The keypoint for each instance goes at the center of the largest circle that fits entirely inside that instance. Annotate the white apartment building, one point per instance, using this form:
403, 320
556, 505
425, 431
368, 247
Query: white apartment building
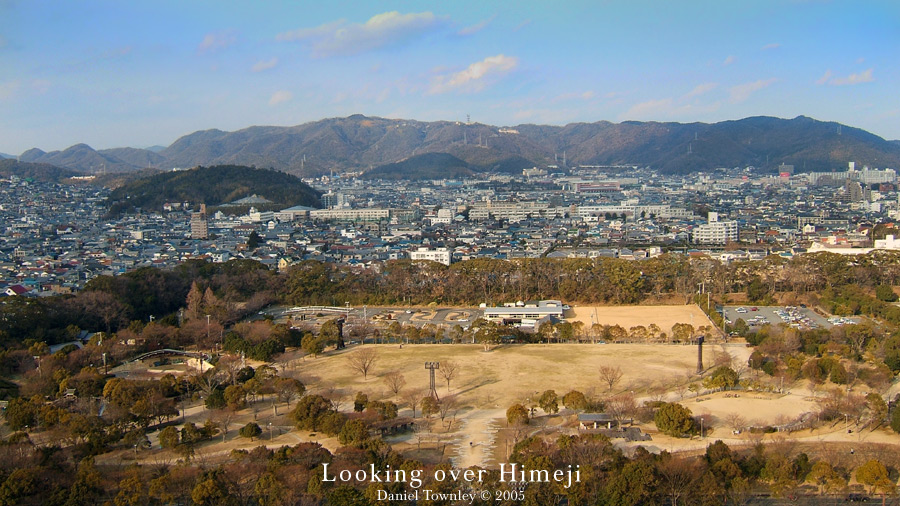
715, 231
439, 255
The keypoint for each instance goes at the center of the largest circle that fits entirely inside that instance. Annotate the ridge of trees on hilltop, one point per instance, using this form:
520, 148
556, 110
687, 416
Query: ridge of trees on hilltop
212, 186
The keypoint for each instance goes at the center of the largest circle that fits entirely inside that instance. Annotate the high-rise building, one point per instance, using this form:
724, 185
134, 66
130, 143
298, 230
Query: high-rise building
200, 224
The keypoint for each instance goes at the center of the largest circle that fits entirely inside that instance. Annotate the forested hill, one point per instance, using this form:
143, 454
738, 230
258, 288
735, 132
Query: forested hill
360, 142
36, 171
212, 186
368, 143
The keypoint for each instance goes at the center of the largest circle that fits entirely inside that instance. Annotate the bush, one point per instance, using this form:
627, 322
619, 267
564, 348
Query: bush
674, 419
251, 430
885, 293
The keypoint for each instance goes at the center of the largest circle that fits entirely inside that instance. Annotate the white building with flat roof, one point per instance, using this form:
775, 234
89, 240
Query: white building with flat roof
439, 255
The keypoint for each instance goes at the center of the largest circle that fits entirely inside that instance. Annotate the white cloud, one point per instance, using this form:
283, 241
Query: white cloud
774, 45
700, 89
742, 92
469, 30
825, 77
476, 76
214, 41
729, 60
264, 65
280, 96
342, 38
650, 109
862, 77
586, 95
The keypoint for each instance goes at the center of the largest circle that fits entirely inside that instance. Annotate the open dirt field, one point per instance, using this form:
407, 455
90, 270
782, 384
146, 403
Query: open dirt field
487, 383
630, 316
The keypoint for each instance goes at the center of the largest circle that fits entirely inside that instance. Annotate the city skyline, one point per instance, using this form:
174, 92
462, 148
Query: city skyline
140, 74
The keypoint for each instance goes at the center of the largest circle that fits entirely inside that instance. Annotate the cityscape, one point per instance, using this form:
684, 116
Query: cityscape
344, 254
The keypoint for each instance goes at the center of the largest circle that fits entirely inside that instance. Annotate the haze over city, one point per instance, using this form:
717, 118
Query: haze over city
144, 73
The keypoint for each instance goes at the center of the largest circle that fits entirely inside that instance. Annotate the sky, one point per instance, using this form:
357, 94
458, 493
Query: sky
114, 73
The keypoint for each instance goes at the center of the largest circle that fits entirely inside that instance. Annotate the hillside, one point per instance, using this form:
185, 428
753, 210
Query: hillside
368, 143
212, 186
85, 159
36, 171
426, 166
365, 143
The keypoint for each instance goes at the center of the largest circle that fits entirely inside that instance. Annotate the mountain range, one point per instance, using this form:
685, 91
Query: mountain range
373, 144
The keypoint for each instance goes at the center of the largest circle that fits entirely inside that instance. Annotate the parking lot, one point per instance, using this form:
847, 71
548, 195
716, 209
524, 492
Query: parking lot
801, 318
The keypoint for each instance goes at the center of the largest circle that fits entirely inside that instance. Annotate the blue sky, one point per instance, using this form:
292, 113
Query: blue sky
135, 73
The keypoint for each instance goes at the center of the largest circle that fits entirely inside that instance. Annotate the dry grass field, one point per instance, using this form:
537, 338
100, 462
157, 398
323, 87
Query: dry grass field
631, 316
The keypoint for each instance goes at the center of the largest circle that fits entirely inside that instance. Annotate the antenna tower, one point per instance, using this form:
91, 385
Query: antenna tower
431, 366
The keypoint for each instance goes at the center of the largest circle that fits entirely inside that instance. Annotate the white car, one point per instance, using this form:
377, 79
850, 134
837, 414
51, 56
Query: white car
741, 310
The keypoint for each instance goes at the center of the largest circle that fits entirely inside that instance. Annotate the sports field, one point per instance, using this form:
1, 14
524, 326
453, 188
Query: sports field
631, 316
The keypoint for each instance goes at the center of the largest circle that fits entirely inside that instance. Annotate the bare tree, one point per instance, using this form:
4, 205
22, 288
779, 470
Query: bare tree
447, 407
395, 381
449, 369
412, 398
362, 361
736, 421
610, 375
679, 475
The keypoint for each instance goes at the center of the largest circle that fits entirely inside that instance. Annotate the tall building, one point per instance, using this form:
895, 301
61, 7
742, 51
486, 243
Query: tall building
200, 224
715, 231
329, 200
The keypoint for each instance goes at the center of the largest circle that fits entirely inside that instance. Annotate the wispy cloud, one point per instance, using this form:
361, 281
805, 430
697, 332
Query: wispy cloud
521, 25
264, 65
215, 41
469, 30
476, 76
728, 61
343, 38
650, 108
700, 89
862, 77
280, 96
585, 95
742, 92
774, 45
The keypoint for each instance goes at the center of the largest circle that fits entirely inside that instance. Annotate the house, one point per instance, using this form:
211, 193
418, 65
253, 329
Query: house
14, 290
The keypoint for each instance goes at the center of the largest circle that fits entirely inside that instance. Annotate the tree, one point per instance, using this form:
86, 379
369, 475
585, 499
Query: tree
549, 402
412, 398
885, 293
253, 241
395, 381
610, 375
877, 409
429, 406
251, 430
168, 437
312, 345
448, 370
895, 420
723, 377
574, 400
310, 412
874, 475
362, 361
359, 403
288, 389
517, 414
674, 419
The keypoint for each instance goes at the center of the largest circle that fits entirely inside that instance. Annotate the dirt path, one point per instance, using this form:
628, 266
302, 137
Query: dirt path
479, 432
